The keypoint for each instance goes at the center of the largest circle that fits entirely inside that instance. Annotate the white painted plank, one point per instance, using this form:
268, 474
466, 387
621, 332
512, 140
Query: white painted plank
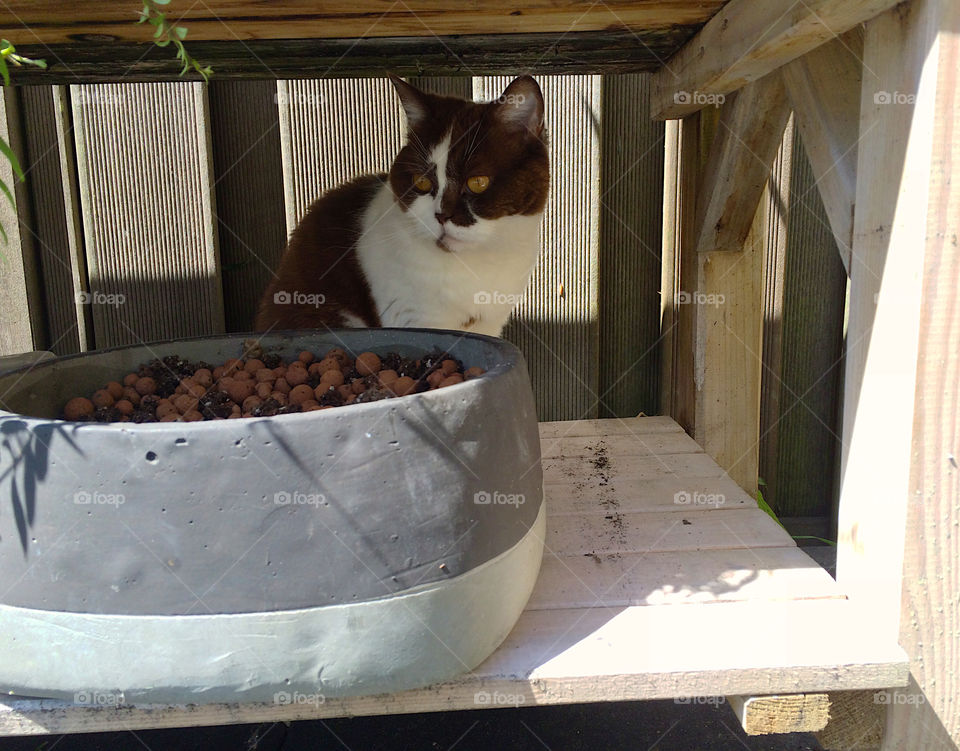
669, 493
679, 578
640, 532
624, 472
597, 447
575, 656
608, 427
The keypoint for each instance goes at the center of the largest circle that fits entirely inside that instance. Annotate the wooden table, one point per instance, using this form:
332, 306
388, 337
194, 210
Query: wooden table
660, 579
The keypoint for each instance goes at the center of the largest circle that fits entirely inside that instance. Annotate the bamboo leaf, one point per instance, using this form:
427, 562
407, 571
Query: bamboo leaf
8, 194
8, 153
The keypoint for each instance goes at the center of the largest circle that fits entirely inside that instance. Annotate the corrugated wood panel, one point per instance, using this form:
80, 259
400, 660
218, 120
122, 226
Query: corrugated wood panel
331, 131
248, 172
21, 311
558, 333
446, 85
631, 217
56, 222
144, 169
778, 202
811, 348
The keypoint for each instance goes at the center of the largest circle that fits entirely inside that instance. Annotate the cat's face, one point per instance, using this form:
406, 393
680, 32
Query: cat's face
468, 166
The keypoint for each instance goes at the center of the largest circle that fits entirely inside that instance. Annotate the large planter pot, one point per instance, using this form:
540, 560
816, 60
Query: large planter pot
357, 550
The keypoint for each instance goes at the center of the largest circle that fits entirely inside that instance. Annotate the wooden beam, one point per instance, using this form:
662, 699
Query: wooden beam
52, 22
789, 713
751, 127
903, 233
746, 41
614, 51
824, 90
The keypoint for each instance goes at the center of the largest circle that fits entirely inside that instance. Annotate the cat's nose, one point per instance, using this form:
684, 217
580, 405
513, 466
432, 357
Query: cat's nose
442, 217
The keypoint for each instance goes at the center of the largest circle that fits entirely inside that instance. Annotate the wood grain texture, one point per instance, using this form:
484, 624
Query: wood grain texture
929, 617
747, 40
49, 22
248, 183
631, 217
610, 622
750, 131
792, 713
824, 91
50, 161
463, 56
21, 310
144, 171
559, 334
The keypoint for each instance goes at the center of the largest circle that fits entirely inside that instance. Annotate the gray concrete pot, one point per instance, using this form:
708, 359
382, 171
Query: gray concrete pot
364, 549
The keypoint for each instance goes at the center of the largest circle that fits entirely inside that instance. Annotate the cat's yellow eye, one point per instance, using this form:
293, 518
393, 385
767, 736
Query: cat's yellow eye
478, 183
423, 184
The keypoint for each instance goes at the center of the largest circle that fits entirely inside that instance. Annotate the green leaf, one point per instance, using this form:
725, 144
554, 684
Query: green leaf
8, 153
159, 32
8, 194
765, 507
162, 42
4, 72
180, 31
161, 2
3, 232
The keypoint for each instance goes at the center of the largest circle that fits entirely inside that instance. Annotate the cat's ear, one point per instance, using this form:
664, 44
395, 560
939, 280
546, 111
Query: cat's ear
520, 106
413, 100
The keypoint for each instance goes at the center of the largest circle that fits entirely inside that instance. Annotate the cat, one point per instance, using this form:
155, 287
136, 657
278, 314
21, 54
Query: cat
446, 240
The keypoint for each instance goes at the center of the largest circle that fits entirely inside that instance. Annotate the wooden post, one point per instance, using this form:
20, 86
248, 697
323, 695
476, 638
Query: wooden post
901, 411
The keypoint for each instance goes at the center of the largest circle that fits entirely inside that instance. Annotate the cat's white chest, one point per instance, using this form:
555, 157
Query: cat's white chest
416, 284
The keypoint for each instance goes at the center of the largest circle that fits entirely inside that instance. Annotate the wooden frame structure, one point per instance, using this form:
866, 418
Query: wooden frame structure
875, 88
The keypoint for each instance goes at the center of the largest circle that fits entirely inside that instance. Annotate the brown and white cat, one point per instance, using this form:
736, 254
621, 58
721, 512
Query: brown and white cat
447, 240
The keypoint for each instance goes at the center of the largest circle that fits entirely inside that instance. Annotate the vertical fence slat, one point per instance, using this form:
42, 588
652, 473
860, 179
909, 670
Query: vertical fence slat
144, 169
333, 130
558, 334
56, 223
248, 183
22, 328
631, 218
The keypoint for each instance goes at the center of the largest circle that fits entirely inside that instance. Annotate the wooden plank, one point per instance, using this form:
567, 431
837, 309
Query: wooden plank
824, 90
670, 268
807, 377
894, 190
56, 218
929, 618
585, 52
622, 445
596, 491
744, 42
51, 23
21, 322
750, 130
559, 335
704, 528
856, 722
245, 136
608, 427
624, 472
575, 656
631, 217
679, 578
144, 171
790, 713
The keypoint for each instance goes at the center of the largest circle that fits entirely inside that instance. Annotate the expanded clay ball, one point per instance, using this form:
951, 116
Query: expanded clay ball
175, 389
367, 364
